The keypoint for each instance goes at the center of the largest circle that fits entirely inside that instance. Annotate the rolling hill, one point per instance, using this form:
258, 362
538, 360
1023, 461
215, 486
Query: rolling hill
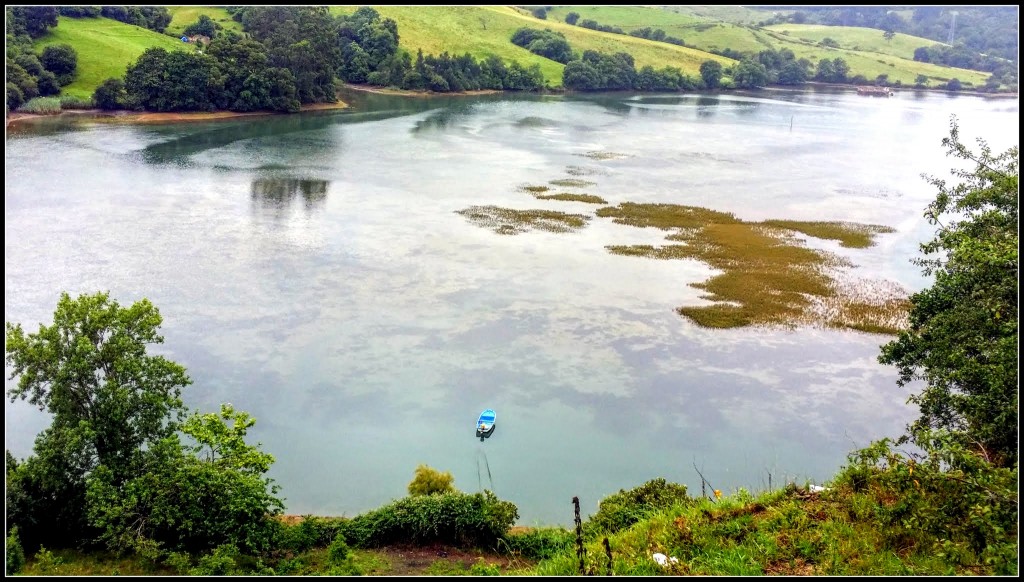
105, 48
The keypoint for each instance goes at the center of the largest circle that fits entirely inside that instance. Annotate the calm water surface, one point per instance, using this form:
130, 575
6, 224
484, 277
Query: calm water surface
312, 270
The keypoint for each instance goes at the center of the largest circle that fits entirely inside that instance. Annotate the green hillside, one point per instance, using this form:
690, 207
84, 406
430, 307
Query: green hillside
856, 38
487, 30
105, 48
183, 16
864, 49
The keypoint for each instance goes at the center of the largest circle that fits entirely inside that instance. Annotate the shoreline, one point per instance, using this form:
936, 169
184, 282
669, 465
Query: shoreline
422, 93
15, 119
152, 118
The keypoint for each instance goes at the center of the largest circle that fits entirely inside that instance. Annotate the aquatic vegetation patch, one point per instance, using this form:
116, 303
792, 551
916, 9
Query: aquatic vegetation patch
535, 189
599, 155
588, 198
511, 221
572, 183
849, 234
582, 171
768, 278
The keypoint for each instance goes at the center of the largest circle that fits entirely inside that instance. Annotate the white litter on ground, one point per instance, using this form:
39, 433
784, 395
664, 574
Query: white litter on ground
664, 560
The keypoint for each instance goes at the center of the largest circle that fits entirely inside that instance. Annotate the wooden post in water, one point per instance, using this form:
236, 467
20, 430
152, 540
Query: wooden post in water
790, 124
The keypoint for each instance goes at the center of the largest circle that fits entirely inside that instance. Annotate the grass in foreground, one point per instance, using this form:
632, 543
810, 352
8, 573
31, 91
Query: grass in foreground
768, 277
105, 48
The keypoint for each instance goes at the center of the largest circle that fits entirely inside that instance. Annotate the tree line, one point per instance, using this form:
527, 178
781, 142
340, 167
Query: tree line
292, 56
28, 74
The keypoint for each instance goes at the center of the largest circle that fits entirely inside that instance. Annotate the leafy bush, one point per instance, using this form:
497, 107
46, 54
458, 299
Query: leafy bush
623, 509
428, 481
15, 555
538, 544
41, 105
311, 532
461, 519
219, 562
948, 499
110, 94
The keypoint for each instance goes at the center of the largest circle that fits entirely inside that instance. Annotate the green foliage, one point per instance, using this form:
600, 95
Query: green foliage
538, 543
949, 500
476, 520
110, 95
749, 74
74, 102
711, 74
623, 509
109, 400
46, 562
15, 559
482, 568
61, 60
219, 562
962, 339
546, 43
34, 21
571, 18
428, 481
41, 105
311, 532
205, 26
193, 497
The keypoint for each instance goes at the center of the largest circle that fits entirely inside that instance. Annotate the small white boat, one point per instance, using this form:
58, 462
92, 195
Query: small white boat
485, 423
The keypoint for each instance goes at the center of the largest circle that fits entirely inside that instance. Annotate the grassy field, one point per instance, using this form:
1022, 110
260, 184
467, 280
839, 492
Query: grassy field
105, 48
856, 38
487, 30
183, 16
864, 49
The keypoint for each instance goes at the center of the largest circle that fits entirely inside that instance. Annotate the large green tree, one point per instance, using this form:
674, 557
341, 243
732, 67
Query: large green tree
112, 467
962, 338
108, 398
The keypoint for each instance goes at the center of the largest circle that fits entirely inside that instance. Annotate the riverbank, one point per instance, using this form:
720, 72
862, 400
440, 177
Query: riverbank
148, 117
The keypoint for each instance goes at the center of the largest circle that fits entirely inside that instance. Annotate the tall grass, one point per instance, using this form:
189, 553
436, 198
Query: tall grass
41, 105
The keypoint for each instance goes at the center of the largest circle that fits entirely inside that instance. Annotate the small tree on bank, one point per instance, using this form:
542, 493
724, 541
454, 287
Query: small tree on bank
428, 481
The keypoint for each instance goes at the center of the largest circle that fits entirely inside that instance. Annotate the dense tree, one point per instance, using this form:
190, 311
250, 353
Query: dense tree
27, 85
581, 76
205, 26
175, 81
571, 18
34, 21
80, 11
111, 467
962, 338
110, 95
546, 43
109, 401
711, 73
540, 12
61, 60
749, 74
192, 498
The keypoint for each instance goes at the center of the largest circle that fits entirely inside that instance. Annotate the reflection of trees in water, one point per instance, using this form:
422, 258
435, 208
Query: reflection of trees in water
277, 194
706, 106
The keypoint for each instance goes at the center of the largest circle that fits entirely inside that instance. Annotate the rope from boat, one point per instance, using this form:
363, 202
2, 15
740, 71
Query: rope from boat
487, 464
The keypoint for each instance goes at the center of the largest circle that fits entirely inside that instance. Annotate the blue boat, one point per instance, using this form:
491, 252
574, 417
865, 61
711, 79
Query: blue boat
485, 423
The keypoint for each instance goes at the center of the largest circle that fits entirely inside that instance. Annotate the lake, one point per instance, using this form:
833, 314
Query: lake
312, 270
